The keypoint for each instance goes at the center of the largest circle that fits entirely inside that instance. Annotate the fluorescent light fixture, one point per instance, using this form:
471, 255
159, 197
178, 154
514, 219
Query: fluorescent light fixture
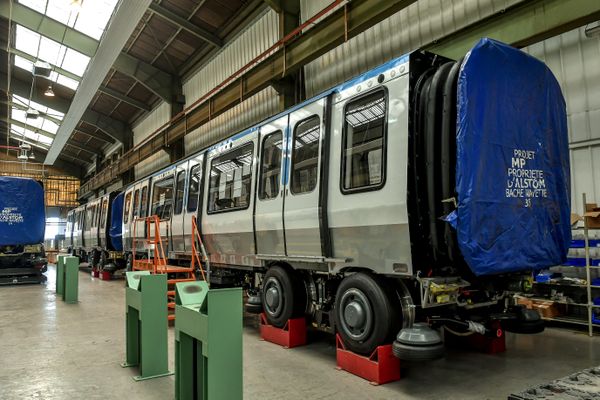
49, 92
42, 68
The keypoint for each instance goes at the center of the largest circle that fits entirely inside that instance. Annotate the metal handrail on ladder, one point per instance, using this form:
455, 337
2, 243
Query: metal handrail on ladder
196, 261
159, 260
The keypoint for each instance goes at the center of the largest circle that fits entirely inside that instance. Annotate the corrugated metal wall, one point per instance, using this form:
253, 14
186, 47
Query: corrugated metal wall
249, 44
575, 61
409, 29
158, 117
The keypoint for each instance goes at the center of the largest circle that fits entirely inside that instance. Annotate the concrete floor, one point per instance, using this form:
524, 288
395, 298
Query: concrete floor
51, 350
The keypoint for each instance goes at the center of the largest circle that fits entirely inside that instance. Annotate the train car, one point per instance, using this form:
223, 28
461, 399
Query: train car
412, 197
22, 227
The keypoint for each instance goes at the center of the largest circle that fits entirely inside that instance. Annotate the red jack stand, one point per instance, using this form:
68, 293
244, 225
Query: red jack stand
105, 276
95, 273
293, 333
484, 344
490, 344
379, 368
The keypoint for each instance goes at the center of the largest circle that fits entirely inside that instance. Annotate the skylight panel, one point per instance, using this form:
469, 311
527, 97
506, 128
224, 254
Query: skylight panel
23, 63
50, 51
90, 18
68, 82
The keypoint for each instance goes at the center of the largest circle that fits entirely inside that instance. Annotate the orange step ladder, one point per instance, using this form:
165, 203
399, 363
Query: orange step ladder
156, 260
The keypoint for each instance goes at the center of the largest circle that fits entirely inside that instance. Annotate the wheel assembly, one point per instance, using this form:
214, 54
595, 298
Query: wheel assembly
418, 343
366, 312
283, 295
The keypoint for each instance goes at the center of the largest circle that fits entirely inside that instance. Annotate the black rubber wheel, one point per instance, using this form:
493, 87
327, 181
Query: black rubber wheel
253, 308
283, 295
366, 312
418, 353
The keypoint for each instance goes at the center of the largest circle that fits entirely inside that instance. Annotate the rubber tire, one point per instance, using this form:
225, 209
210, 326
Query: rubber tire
293, 293
253, 308
385, 306
525, 327
418, 353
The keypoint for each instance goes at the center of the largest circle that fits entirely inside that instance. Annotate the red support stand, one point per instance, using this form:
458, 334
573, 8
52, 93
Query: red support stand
105, 276
490, 344
293, 333
379, 368
95, 273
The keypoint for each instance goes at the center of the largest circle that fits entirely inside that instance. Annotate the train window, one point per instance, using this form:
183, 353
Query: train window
136, 204
363, 155
104, 214
270, 169
305, 155
179, 190
162, 198
194, 188
144, 202
230, 180
127, 207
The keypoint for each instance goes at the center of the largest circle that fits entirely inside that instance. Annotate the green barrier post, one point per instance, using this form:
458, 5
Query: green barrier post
208, 342
70, 292
60, 274
147, 324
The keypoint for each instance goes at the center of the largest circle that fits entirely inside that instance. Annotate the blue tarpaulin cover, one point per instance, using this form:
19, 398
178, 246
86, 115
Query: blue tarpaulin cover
512, 167
116, 219
22, 212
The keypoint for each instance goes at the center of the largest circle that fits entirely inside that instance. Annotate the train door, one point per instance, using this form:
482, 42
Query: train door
301, 216
194, 183
268, 219
161, 203
178, 219
69, 228
127, 222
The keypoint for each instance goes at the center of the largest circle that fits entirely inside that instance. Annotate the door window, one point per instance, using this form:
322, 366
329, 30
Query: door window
194, 188
231, 180
162, 198
136, 203
179, 189
127, 207
363, 155
270, 169
144, 202
305, 155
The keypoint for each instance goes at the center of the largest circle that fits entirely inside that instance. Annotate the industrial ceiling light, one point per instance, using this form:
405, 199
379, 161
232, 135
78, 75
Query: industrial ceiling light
49, 92
76, 5
32, 156
594, 30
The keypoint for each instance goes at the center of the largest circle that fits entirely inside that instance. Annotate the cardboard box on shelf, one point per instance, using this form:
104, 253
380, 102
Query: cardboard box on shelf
592, 215
524, 301
547, 308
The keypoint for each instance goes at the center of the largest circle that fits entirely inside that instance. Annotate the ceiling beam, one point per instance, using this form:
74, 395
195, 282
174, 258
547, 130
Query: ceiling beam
124, 98
153, 78
116, 129
31, 128
186, 25
123, 22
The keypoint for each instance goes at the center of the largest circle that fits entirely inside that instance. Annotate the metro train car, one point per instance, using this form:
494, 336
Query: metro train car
22, 227
412, 197
88, 233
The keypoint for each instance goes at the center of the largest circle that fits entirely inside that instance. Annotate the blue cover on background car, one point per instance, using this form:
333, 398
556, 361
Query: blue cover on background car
512, 166
116, 223
22, 211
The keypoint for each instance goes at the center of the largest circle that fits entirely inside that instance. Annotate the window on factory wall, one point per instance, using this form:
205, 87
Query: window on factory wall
305, 155
162, 198
363, 157
230, 180
270, 166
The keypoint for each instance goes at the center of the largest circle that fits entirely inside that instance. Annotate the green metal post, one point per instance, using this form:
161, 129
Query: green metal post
71, 280
60, 274
146, 324
208, 341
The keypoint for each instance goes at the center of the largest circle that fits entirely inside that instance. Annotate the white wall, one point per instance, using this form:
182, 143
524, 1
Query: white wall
157, 118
